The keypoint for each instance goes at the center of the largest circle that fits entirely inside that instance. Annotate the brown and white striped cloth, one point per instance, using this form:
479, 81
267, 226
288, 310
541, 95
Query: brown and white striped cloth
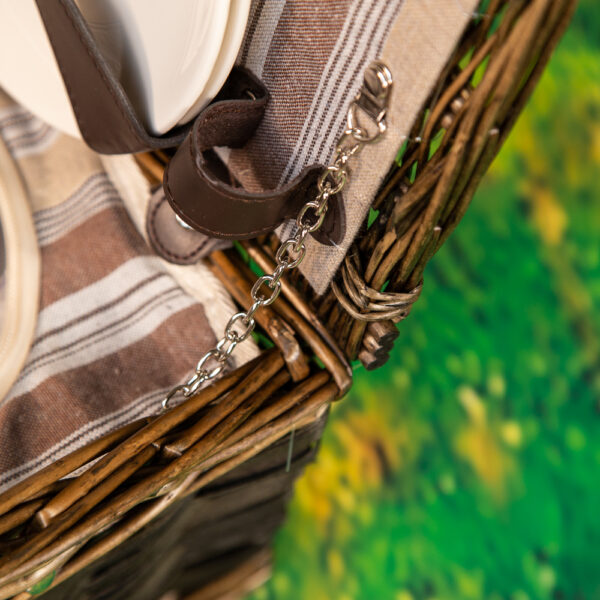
116, 328
311, 56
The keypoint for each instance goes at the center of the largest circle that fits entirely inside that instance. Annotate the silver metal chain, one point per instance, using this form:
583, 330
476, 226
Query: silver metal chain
371, 103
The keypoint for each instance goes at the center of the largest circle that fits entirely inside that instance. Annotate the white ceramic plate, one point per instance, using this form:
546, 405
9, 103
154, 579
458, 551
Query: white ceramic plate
167, 55
232, 40
28, 71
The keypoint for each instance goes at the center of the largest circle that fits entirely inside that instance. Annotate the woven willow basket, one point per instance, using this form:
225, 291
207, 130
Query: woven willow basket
187, 502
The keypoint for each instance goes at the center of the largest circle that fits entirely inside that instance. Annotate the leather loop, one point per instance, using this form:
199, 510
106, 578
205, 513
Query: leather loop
195, 182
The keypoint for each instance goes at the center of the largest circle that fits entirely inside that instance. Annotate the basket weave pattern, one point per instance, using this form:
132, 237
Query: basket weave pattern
180, 500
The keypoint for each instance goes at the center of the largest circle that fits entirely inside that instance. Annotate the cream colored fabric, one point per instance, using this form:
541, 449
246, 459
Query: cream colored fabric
419, 44
197, 280
113, 328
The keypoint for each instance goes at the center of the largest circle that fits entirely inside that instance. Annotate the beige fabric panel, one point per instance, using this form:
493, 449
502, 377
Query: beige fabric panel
420, 42
311, 56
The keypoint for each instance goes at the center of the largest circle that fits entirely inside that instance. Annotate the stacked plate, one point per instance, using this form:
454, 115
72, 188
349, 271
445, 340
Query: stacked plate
171, 57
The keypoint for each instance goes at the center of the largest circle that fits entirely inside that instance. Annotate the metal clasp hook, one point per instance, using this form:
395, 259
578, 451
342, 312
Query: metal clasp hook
372, 99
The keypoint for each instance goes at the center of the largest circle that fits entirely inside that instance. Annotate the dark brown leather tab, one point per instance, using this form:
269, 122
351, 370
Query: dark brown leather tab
196, 182
171, 240
209, 204
104, 113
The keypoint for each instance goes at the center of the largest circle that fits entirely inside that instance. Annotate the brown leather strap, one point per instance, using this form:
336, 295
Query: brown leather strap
105, 115
197, 186
203, 200
194, 172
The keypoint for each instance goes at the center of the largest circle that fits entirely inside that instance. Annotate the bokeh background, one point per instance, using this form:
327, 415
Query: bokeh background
469, 466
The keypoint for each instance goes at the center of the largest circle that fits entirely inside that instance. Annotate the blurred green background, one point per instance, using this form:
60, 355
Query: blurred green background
469, 466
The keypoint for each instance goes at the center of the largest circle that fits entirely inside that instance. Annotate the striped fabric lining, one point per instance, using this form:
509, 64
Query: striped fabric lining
98, 323
22, 133
263, 20
115, 330
359, 42
94, 196
311, 57
84, 435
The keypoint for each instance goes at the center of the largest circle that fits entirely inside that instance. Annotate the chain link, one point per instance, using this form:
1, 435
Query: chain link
292, 251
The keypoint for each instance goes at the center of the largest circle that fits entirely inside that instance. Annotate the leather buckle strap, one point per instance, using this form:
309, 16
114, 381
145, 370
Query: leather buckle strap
197, 185
227, 211
106, 117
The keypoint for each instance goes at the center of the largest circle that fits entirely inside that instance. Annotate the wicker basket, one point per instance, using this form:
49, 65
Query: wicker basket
190, 500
